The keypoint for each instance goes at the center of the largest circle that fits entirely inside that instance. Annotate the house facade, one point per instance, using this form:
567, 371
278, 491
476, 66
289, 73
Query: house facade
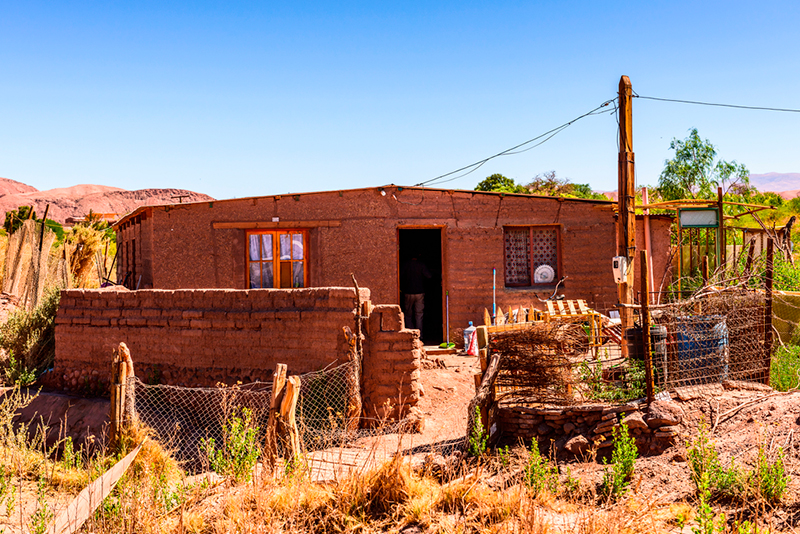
475, 245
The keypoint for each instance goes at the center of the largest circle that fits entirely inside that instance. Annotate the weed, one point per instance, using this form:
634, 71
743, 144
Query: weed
617, 477
539, 474
239, 452
478, 439
702, 456
30, 335
40, 519
504, 455
707, 521
784, 372
769, 478
69, 458
17, 374
632, 387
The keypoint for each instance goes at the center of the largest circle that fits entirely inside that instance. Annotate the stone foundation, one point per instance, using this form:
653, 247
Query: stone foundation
578, 429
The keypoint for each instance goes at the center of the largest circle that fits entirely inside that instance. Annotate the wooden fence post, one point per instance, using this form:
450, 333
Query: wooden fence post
120, 411
288, 409
271, 438
768, 310
645, 302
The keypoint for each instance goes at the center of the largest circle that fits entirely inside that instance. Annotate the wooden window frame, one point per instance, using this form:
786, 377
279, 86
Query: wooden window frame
531, 228
276, 261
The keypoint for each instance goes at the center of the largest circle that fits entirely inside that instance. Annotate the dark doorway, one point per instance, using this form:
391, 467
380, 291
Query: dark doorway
426, 246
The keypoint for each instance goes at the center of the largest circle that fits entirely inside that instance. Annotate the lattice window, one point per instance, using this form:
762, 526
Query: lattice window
527, 248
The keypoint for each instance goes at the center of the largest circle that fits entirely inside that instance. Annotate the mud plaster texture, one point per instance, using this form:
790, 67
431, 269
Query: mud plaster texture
205, 337
203, 244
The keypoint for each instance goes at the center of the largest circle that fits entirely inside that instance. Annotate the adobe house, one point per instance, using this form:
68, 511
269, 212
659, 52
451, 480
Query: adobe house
319, 239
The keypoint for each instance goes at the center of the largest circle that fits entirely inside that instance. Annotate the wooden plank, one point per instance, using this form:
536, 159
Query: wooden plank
265, 225
583, 307
561, 310
571, 305
83, 506
487, 319
550, 309
501, 317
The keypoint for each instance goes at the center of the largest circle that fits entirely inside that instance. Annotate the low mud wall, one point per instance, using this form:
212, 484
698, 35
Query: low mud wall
579, 429
204, 337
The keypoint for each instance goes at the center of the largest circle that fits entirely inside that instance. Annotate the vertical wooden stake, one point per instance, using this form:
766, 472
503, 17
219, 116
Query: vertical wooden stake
271, 438
648, 357
768, 310
288, 408
705, 270
722, 248
626, 221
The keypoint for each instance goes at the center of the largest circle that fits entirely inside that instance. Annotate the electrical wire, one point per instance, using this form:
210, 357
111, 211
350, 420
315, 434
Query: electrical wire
785, 110
513, 150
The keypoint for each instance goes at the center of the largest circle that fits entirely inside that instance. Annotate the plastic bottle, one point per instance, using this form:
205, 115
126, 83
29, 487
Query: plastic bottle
467, 334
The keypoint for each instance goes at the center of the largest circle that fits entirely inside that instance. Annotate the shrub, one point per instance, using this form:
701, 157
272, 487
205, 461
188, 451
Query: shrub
769, 478
479, 438
239, 452
617, 477
539, 474
785, 369
29, 336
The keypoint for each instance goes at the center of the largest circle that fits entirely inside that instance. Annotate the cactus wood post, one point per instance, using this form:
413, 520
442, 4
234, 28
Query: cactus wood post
121, 370
645, 301
271, 439
288, 408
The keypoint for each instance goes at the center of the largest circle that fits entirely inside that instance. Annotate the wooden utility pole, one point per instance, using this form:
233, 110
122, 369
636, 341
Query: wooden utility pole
626, 222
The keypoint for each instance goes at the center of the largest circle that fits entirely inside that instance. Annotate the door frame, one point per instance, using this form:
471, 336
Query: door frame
443, 259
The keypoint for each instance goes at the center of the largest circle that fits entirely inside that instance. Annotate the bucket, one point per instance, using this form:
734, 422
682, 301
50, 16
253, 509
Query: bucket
702, 349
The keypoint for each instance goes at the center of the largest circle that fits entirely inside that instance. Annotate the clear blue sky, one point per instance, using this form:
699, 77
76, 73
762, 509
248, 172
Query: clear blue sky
239, 99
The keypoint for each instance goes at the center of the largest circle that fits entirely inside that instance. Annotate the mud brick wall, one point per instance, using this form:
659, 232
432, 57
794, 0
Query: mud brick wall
202, 337
204, 244
392, 370
577, 429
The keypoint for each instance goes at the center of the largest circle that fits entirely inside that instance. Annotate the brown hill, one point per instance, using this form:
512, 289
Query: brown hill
76, 201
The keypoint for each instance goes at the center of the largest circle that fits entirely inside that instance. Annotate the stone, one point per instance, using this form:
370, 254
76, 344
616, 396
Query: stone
668, 430
544, 429
635, 421
568, 427
578, 445
421, 390
605, 425
663, 413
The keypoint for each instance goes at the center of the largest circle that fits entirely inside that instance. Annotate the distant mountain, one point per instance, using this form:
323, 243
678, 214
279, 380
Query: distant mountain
785, 184
76, 201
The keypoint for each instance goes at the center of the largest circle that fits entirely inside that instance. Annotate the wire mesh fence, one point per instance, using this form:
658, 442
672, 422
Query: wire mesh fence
184, 418
703, 340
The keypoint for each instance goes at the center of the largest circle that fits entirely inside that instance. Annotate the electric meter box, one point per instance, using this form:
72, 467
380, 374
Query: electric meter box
619, 265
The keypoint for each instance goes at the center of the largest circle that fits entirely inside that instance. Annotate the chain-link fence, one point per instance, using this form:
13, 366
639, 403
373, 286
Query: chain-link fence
328, 412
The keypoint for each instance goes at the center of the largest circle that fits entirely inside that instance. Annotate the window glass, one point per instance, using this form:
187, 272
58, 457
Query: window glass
266, 273
285, 253
266, 247
253, 247
255, 278
297, 274
297, 246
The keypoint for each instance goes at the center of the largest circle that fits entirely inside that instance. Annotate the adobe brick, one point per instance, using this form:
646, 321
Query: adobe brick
179, 323
135, 321
151, 312
199, 323
192, 314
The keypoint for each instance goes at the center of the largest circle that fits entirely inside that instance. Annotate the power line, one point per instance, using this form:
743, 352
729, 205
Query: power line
513, 150
786, 110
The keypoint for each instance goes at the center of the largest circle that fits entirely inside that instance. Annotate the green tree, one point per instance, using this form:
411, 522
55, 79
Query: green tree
498, 182
694, 172
15, 218
550, 185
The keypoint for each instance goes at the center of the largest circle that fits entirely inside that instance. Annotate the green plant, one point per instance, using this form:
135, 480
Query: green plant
617, 477
40, 519
17, 374
30, 335
707, 521
632, 387
539, 474
239, 452
769, 478
784, 372
702, 456
505, 456
69, 459
478, 439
